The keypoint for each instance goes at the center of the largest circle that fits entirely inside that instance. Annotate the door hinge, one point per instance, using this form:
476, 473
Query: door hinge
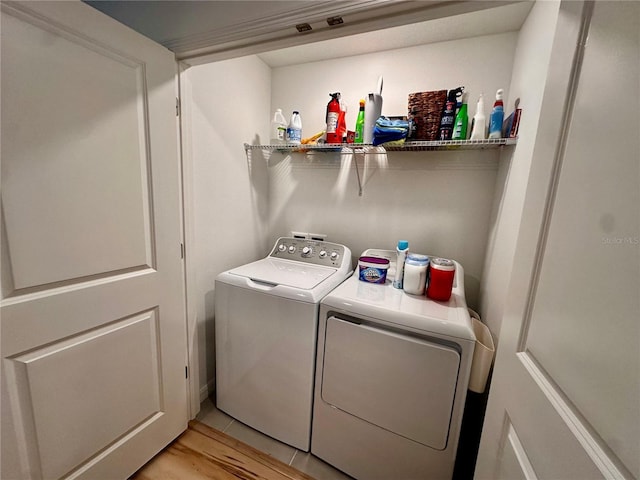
177, 107
186, 371
182, 251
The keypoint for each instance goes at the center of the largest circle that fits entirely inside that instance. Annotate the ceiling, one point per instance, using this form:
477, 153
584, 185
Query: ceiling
200, 31
483, 22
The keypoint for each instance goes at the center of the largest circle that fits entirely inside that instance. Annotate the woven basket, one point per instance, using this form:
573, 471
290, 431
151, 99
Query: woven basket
425, 108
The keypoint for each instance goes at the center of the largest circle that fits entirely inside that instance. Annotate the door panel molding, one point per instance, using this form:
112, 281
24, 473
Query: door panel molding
69, 161
68, 286
101, 398
22, 12
514, 462
565, 126
584, 433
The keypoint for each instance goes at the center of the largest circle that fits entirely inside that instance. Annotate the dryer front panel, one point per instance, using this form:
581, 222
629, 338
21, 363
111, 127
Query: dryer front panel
400, 383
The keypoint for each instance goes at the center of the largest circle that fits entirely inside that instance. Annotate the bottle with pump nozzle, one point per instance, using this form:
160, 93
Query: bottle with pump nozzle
479, 125
278, 128
360, 124
462, 121
401, 255
294, 130
497, 116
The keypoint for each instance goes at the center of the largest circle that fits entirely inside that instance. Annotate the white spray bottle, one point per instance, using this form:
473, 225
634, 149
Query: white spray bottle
479, 126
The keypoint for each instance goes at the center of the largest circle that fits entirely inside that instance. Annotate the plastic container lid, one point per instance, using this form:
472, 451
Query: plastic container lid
403, 244
442, 264
374, 261
417, 259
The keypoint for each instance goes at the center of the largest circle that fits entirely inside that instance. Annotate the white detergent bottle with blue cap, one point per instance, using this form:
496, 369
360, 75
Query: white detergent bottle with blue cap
401, 250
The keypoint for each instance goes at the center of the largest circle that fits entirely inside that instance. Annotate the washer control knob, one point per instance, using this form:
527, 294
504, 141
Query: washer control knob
307, 251
322, 254
292, 249
282, 247
334, 255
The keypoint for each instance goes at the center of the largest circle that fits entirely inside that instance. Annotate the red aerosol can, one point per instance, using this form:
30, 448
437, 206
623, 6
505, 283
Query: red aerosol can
333, 112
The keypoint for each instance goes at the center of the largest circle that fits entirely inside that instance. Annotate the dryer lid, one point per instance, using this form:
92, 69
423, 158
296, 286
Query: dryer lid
288, 273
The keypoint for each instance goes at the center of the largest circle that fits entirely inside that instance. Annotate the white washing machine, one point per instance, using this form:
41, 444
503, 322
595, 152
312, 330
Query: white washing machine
391, 379
266, 318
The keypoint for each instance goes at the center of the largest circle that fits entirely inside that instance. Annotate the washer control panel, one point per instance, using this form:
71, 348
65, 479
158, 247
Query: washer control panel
310, 251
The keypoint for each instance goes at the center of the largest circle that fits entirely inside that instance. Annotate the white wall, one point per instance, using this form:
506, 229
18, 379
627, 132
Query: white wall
225, 105
439, 201
530, 68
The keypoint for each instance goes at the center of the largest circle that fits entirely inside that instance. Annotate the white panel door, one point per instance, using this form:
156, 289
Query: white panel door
565, 398
93, 324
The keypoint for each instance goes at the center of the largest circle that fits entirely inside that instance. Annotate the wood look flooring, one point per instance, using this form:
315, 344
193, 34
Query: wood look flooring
205, 453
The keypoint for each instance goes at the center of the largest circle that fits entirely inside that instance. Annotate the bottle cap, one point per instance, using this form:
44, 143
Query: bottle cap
442, 264
403, 244
499, 94
362, 102
417, 259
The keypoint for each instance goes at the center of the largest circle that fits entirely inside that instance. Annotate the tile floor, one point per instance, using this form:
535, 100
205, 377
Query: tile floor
303, 461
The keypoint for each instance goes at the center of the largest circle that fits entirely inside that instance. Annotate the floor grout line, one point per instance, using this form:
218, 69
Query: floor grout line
228, 425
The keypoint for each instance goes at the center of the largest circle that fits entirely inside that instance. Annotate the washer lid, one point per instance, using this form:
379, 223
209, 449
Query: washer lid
284, 272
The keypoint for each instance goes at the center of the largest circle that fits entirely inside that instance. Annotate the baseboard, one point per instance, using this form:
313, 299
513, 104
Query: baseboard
207, 390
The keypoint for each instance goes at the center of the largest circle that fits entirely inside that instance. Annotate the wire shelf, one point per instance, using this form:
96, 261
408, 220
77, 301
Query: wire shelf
411, 146
368, 149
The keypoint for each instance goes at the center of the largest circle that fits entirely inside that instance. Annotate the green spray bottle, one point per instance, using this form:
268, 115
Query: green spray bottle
462, 121
360, 124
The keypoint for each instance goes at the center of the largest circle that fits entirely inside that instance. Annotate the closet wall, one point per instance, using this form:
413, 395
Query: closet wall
439, 201
224, 105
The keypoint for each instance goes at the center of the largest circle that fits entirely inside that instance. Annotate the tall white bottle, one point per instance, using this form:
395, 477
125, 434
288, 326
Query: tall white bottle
294, 131
479, 126
278, 128
372, 110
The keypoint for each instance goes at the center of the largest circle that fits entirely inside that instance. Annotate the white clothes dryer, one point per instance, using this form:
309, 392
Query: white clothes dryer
266, 317
391, 379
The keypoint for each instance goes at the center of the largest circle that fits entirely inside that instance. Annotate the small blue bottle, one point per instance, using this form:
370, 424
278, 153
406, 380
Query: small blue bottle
401, 250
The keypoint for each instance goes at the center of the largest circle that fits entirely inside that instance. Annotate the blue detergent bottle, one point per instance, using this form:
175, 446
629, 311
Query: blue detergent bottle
497, 116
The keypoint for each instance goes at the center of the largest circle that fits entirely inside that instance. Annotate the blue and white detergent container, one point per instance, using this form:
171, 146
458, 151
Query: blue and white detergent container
373, 269
415, 273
